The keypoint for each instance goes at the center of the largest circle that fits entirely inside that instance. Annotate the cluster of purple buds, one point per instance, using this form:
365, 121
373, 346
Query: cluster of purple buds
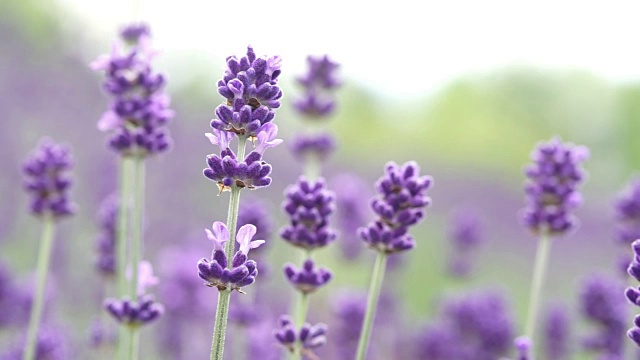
134, 312
465, 234
633, 293
308, 205
627, 213
552, 187
243, 272
318, 146
139, 110
602, 306
47, 180
250, 86
105, 244
318, 84
556, 333
309, 278
251, 172
301, 341
401, 204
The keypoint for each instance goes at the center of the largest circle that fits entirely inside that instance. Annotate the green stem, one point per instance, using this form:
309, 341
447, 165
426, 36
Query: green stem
123, 243
42, 270
312, 168
136, 225
539, 271
375, 287
224, 296
134, 343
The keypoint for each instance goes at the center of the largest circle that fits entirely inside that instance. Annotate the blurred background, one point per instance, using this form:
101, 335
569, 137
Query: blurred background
466, 89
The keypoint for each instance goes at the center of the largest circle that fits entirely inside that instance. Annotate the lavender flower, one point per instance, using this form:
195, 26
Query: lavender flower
243, 272
627, 213
139, 109
465, 235
105, 244
251, 172
602, 305
301, 341
319, 146
400, 205
352, 211
50, 345
475, 327
523, 345
552, 187
307, 279
47, 179
250, 87
633, 294
556, 334
134, 313
319, 82
308, 205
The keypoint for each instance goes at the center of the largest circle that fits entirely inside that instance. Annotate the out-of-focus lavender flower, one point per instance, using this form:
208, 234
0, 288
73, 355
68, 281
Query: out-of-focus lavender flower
556, 333
400, 205
308, 205
50, 345
9, 299
465, 235
475, 327
552, 187
134, 313
301, 341
352, 211
139, 110
318, 83
251, 172
47, 179
603, 306
627, 213
243, 271
105, 243
317, 146
100, 334
250, 87
523, 345
309, 278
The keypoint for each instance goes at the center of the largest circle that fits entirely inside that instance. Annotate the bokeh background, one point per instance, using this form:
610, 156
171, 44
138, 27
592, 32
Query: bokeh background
466, 89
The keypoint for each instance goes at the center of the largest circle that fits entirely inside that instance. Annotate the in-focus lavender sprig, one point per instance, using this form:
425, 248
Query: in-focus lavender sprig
633, 293
250, 87
139, 110
401, 204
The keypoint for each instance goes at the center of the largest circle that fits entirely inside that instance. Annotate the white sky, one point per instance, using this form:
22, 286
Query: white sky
396, 47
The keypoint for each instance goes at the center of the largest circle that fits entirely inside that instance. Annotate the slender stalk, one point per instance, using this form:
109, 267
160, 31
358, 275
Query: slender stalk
375, 287
539, 271
312, 168
122, 238
137, 223
222, 310
42, 270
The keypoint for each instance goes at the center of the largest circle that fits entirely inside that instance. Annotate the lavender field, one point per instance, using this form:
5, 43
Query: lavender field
171, 198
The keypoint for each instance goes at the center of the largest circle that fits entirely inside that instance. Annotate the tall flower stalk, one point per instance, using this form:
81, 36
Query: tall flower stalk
551, 196
136, 121
249, 86
401, 204
48, 182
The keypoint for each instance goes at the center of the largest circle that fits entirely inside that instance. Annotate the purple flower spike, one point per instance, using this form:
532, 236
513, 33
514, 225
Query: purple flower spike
627, 213
400, 205
309, 336
46, 178
106, 241
228, 172
552, 187
603, 306
139, 109
318, 83
307, 279
319, 146
250, 87
633, 294
465, 235
556, 333
134, 313
308, 205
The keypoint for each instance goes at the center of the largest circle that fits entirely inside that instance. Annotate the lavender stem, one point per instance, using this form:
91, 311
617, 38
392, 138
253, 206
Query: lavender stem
222, 310
539, 272
44, 257
122, 243
377, 278
136, 243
